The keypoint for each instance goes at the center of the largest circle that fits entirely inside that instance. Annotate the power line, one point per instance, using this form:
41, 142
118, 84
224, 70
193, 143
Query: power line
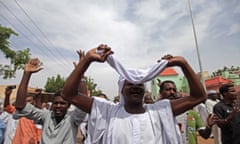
40, 30
32, 34
24, 36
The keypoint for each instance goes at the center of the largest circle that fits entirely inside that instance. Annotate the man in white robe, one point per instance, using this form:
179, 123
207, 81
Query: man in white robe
131, 121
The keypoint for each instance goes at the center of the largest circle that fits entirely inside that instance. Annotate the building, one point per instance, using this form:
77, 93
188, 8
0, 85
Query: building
169, 74
211, 83
43, 97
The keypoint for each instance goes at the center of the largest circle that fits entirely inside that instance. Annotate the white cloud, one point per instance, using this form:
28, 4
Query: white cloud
138, 32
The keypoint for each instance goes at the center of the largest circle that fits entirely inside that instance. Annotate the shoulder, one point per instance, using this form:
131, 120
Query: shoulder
102, 101
162, 102
103, 106
220, 104
163, 105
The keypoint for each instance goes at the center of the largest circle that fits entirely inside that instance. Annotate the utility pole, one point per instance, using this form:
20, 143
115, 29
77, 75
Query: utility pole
196, 42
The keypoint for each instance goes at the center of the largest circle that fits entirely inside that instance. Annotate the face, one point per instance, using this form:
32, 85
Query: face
59, 106
231, 93
169, 91
30, 99
133, 93
148, 99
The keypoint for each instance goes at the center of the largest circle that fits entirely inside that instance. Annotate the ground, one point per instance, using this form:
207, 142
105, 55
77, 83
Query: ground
203, 141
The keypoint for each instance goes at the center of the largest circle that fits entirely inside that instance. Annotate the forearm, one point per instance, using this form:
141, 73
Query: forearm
196, 88
22, 91
72, 84
223, 122
6, 101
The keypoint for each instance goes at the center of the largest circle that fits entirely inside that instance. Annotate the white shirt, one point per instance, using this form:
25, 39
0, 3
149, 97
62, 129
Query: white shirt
11, 126
52, 133
111, 124
209, 104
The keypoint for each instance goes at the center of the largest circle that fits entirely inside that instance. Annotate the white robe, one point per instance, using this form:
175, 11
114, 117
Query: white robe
111, 124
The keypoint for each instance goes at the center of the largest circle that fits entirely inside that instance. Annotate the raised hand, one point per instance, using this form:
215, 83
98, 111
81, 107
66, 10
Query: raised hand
8, 91
33, 66
81, 54
212, 119
174, 60
99, 54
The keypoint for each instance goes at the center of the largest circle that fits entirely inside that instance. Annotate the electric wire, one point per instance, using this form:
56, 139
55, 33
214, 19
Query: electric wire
40, 31
57, 60
26, 38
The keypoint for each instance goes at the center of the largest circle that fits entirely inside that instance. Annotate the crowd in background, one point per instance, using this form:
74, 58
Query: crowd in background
73, 111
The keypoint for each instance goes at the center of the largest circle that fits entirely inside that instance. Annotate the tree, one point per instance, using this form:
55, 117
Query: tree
54, 84
17, 58
92, 86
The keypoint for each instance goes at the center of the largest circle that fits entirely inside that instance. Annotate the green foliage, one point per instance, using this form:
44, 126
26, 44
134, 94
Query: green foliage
54, 84
5, 34
231, 69
17, 58
92, 86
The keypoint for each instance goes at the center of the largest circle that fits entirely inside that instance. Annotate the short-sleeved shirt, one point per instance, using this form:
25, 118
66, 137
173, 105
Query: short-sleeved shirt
231, 132
190, 122
195, 123
52, 133
110, 123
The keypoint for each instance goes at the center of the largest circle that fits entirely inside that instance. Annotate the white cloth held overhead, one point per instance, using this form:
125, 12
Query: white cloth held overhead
135, 76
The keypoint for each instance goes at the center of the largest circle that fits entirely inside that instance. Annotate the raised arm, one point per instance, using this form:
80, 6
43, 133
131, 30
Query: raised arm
7, 106
197, 92
72, 90
8, 92
31, 67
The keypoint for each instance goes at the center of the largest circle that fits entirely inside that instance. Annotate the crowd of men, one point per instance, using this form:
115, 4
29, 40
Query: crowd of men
136, 118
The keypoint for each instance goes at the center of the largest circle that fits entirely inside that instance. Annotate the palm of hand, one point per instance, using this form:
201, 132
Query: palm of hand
33, 66
175, 61
95, 56
211, 122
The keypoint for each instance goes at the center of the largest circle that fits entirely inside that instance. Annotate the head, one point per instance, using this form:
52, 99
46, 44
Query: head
228, 92
133, 93
30, 98
148, 98
168, 90
59, 105
212, 94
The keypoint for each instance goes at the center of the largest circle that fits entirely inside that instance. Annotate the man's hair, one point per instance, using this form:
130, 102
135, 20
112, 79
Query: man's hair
161, 86
58, 93
225, 88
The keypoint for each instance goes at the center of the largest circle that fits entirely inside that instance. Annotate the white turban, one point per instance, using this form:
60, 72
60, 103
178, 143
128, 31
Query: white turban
135, 76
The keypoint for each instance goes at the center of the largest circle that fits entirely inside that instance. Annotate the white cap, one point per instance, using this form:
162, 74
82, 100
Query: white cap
211, 92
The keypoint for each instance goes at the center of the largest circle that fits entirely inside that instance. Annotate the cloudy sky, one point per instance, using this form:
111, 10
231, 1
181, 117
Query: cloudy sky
139, 32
